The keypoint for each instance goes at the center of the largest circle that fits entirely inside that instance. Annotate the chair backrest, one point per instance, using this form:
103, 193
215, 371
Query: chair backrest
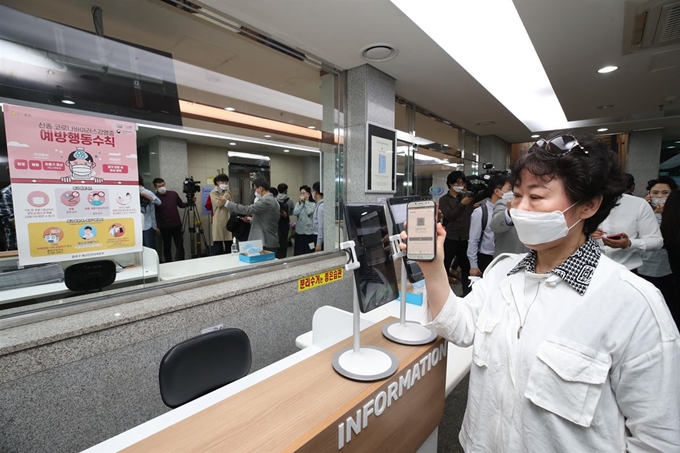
199, 365
90, 276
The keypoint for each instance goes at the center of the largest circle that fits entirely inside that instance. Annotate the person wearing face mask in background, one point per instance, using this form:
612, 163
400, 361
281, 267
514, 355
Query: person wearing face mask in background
572, 352
504, 232
305, 241
630, 230
148, 202
169, 221
219, 197
480, 250
655, 265
265, 211
456, 212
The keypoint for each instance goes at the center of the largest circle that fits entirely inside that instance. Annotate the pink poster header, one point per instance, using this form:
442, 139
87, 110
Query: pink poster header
57, 148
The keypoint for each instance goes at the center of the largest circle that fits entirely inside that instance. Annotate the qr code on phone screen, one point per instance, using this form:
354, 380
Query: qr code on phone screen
420, 221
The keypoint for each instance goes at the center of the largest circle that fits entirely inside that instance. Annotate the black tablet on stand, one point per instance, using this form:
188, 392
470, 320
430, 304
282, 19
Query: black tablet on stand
375, 284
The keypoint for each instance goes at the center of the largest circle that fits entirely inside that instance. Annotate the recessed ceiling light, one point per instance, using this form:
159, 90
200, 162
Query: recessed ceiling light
602, 129
605, 106
379, 52
230, 109
527, 94
486, 123
267, 136
535, 136
311, 127
446, 144
671, 147
677, 141
607, 69
67, 102
286, 150
232, 144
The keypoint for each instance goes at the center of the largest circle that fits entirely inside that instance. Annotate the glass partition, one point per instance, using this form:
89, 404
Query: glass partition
429, 148
206, 97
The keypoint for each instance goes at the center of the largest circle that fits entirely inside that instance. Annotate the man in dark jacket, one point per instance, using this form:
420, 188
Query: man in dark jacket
456, 211
284, 221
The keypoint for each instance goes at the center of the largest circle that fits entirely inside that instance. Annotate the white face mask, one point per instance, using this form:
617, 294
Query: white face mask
657, 201
458, 189
258, 195
536, 228
509, 195
81, 170
161, 190
224, 186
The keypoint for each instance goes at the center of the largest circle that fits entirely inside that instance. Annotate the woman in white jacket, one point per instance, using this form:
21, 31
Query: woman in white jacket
571, 351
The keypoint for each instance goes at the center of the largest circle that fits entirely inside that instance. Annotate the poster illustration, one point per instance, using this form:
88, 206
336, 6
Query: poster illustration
75, 185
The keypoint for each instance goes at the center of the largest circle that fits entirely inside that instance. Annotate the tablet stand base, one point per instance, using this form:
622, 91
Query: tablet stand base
405, 332
367, 363
408, 333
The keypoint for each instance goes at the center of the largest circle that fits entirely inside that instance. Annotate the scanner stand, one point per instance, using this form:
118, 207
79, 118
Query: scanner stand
367, 363
405, 332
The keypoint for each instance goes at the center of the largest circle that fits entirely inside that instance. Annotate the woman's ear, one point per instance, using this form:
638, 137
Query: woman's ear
590, 207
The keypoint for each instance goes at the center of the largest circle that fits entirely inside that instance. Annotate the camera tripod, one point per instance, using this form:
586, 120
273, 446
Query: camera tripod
192, 222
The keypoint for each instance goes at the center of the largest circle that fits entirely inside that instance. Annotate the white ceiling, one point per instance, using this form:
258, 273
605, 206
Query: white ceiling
572, 38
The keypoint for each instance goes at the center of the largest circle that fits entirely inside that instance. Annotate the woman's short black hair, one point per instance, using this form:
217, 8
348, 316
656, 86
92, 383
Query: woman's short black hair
220, 178
585, 173
670, 182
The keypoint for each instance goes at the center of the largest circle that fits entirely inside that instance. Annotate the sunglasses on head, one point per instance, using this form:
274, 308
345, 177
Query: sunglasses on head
559, 146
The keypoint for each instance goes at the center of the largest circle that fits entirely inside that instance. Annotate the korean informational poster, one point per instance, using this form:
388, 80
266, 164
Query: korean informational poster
75, 185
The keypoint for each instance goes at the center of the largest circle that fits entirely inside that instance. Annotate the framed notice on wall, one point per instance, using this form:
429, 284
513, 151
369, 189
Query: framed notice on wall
381, 159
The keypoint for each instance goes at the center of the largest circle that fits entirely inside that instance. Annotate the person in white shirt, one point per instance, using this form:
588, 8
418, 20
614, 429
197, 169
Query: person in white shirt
571, 351
630, 230
481, 241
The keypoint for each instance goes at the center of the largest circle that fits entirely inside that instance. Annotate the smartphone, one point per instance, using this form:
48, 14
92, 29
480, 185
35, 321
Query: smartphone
421, 228
616, 236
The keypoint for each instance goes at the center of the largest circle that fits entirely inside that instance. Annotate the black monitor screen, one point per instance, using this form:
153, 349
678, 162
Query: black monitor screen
398, 210
50, 63
375, 279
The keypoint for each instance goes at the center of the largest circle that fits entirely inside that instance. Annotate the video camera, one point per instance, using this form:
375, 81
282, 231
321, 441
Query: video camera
477, 184
190, 187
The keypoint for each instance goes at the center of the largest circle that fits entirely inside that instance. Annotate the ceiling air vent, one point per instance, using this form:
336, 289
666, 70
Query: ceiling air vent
651, 24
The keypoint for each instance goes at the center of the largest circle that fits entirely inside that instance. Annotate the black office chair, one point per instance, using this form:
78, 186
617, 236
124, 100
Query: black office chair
199, 365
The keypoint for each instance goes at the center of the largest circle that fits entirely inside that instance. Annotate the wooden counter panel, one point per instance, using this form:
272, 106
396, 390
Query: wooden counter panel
300, 408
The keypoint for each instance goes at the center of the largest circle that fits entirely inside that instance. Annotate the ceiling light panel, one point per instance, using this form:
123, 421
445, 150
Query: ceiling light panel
492, 35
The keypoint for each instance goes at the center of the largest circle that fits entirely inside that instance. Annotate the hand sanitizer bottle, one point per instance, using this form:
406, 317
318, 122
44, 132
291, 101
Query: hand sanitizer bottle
234, 247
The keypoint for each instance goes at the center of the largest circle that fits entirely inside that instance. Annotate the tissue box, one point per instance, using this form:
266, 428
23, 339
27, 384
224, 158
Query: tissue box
413, 298
263, 256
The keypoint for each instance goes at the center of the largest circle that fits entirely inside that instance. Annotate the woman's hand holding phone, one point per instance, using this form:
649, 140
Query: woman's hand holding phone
436, 278
438, 260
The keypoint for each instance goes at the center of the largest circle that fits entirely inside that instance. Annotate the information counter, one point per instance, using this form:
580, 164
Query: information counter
301, 404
